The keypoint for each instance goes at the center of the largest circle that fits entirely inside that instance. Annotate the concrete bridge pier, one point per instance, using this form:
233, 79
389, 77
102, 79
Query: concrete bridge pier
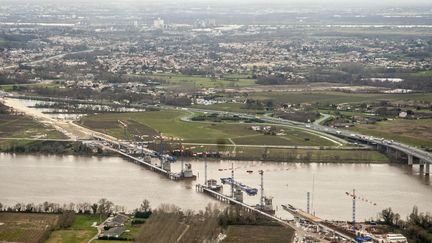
422, 165
427, 169
410, 160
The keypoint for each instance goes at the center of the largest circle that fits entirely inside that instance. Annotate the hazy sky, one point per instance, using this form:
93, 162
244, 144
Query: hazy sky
320, 2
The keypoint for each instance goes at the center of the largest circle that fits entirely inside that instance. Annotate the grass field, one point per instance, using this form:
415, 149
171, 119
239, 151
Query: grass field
257, 234
205, 82
230, 107
80, 231
162, 227
10, 87
12, 126
170, 124
26, 227
308, 156
413, 132
25, 127
337, 97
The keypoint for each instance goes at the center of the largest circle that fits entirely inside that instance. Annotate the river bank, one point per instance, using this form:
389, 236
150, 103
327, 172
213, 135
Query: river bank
65, 179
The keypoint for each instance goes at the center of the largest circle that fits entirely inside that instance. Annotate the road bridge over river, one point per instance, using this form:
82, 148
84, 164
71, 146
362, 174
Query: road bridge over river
402, 152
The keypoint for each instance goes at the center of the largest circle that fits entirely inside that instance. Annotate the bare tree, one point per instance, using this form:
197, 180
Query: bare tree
94, 208
105, 206
145, 206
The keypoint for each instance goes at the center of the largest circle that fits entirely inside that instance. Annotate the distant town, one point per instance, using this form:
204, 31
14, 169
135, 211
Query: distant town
237, 122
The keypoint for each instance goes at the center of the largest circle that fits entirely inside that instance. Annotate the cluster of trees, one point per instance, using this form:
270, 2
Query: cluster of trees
175, 100
236, 216
301, 116
253, 104
87, 93
142, 213
6, 78
214, 117
276, 80
417, 227
356, 73
50, 147
103, 207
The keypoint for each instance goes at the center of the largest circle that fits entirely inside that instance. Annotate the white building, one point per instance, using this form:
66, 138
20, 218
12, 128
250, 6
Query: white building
158, 23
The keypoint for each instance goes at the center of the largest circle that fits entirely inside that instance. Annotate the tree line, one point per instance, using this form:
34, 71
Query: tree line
417, 227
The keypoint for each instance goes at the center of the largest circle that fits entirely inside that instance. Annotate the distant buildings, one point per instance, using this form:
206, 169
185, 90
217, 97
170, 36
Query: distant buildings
159, 23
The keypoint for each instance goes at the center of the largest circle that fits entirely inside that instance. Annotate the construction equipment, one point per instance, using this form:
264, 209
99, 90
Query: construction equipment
354, 198
266, 203
125, 129
229, 180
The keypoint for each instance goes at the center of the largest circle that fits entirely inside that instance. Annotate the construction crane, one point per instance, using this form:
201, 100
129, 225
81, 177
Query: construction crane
125, 127
261, 172
354, 198
266, 203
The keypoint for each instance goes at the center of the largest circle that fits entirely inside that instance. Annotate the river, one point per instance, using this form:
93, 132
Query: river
39, 178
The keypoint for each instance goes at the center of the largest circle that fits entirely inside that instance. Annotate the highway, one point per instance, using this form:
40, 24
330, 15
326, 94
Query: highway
333, 132
58, 56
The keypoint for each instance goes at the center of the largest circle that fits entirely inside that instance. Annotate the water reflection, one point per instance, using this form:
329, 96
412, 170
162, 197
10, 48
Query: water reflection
25, 178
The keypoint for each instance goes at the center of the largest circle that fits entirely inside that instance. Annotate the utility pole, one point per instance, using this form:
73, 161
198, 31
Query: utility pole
232, 178
182, 159
261, 172
161, 150
205, 169
313, 192
354, 210
308, 202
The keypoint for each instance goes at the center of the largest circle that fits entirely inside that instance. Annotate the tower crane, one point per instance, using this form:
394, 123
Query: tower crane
354, 199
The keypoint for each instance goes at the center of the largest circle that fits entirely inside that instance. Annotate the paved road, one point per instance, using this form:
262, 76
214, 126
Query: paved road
322, 118
281, 146
58, 56
39, 139
334, 133
77, 132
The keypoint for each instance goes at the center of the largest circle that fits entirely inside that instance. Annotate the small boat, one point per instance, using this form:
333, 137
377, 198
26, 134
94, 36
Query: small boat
249, 171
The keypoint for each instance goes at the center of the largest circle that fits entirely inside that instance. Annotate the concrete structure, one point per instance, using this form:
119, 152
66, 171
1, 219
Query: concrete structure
159, 23
398, 151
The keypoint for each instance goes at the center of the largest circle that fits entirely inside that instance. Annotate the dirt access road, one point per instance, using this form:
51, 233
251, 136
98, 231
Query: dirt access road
70, 129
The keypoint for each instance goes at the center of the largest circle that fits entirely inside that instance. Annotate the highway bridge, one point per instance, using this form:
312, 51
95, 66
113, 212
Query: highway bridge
401, 152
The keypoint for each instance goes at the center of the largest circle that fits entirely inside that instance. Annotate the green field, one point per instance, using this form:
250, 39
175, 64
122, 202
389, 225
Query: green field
306, 155
24, 127
169, 123
12, 87
80, 231
12, 126
413, 132
337, 97
258, 234
229, 107
205, 82
26, 227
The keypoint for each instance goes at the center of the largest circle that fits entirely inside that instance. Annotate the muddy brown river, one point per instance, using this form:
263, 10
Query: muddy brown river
62, 179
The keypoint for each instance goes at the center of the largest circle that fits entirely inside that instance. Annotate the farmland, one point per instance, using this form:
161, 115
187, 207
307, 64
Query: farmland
80, 231
413, 132
257, 234
18, 126
25, 127
197, 81
332, 97
236, 141
169, 123
26, 227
